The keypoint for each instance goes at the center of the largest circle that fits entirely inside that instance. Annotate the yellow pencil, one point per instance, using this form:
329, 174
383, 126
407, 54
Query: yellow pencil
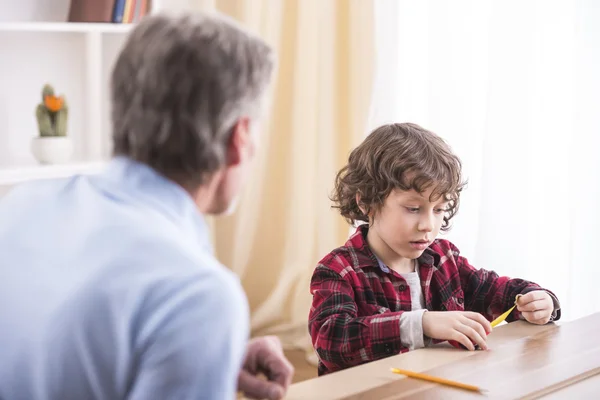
502, 317
436, 379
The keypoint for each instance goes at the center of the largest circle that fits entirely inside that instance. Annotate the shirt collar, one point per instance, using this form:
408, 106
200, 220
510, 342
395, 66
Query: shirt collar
358, 240
382, 266
143, 183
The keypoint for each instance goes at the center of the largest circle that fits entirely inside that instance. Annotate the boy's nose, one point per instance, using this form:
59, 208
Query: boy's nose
426, 224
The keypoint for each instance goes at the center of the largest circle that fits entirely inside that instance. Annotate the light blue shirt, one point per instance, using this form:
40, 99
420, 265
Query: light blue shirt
109, 290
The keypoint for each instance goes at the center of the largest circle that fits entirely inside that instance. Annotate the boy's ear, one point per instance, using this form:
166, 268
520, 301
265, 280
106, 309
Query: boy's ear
360, 206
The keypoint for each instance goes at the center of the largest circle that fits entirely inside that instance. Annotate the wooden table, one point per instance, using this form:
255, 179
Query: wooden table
524, 361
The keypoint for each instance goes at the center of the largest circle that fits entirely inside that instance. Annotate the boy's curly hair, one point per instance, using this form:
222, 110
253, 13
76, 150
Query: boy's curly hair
397, 156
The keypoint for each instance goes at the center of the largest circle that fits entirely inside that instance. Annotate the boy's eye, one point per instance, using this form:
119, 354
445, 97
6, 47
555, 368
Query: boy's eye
413, 209
439, 210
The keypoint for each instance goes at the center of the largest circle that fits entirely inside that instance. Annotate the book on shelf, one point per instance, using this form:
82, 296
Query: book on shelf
115, 11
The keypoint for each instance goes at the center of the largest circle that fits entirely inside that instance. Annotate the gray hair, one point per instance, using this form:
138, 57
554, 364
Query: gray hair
178, 87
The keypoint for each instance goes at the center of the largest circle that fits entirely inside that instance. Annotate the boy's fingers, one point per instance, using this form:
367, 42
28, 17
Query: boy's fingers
487, 326
532, 306
464, 340
531, 296
479, 330
474, 336
540, 321
536, 315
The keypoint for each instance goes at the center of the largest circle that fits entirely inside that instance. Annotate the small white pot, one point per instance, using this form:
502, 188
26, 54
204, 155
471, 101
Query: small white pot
52, 150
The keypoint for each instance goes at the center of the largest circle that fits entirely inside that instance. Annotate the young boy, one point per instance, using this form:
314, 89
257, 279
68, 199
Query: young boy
394, 287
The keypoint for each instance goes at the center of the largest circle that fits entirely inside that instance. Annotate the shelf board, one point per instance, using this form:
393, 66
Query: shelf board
11, 175
65, 27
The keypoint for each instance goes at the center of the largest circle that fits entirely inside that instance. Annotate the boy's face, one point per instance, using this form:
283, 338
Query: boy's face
408, 222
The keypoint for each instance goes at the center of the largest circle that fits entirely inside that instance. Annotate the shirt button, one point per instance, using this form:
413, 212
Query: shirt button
401, 288
460, 300
388, 349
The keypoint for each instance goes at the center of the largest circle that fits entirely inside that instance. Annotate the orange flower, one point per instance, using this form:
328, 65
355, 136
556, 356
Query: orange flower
53, 103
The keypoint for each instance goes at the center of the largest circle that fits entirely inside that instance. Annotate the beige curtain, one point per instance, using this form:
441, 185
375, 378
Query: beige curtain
284, 223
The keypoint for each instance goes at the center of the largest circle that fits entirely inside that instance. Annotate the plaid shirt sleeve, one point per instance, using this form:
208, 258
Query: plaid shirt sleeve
490, 294
340, 338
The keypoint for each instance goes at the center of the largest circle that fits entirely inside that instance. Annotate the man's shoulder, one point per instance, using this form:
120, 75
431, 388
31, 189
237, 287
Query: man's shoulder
156, 312
161, 257
163, 282
30, 192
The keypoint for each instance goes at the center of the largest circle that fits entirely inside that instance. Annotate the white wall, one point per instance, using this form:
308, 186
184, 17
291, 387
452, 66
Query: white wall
514, 88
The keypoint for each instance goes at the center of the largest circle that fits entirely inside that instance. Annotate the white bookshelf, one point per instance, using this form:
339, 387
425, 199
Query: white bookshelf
23, 173
66, 27
37, 46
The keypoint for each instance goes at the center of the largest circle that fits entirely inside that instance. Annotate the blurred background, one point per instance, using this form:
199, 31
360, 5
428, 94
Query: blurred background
513, 86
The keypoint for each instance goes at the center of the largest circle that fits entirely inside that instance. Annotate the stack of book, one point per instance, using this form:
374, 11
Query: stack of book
116, 11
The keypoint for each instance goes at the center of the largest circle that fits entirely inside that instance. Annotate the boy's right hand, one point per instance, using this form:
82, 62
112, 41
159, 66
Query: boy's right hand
465, 327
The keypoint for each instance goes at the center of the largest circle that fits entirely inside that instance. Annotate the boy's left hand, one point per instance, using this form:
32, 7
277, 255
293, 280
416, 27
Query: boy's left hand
536, 307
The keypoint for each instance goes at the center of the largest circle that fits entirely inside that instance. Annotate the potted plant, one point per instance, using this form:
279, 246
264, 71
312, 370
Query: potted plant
52, 146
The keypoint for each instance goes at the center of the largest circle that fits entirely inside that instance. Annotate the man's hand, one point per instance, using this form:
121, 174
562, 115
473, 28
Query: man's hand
265, 355
465, 327
536, 307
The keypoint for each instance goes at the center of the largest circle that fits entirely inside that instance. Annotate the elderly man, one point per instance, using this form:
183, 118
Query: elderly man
108, 285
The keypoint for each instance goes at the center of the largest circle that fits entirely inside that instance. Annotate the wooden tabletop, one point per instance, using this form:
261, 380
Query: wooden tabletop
524, 361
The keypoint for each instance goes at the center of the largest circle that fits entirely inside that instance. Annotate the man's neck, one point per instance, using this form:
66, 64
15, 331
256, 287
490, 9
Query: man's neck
204, 196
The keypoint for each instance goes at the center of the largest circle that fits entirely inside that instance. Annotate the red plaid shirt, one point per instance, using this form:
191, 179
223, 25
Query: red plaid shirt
356, 308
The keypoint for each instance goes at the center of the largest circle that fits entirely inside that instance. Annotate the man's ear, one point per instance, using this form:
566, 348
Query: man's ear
238, 141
